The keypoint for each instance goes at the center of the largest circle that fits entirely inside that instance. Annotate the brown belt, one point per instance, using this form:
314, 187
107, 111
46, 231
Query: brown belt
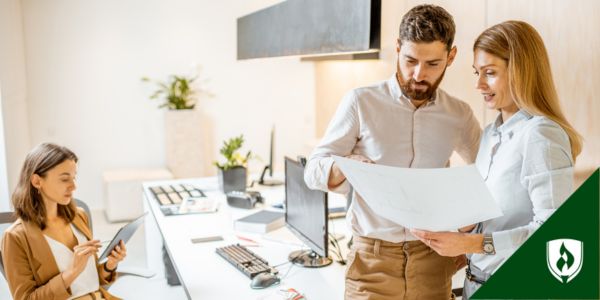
469, 274
372, 241
91, 296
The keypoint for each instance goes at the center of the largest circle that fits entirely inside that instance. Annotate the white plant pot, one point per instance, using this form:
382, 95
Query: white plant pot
184, 143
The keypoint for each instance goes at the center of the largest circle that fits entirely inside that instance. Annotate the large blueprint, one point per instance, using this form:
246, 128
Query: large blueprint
430, 199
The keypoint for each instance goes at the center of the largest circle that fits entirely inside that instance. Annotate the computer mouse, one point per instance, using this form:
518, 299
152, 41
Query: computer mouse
264, 280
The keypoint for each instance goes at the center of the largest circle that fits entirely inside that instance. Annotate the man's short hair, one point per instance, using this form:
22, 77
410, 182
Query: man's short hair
428, 23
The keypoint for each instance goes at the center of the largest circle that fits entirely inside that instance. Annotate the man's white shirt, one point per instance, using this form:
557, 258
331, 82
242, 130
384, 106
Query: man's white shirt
381, 123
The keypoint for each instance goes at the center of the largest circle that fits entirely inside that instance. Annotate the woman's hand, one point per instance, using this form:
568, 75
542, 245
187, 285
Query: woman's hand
116, 256
81, 255
447, 243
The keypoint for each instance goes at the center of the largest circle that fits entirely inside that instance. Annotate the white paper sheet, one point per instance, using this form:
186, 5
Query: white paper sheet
431, 199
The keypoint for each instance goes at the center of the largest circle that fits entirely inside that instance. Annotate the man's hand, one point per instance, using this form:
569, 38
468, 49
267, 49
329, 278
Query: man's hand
447, 243
336, 177
467, 228
360, 158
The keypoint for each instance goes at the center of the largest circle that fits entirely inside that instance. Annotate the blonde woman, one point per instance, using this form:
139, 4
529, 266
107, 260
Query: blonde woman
49, 253
526, 156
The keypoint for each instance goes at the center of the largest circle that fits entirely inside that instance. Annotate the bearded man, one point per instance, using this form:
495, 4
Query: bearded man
405, 121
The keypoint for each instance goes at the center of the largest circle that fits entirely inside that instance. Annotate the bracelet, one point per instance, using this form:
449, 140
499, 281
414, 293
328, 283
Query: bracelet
107, 270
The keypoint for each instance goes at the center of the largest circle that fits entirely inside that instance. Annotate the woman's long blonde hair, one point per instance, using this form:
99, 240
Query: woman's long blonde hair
529, 74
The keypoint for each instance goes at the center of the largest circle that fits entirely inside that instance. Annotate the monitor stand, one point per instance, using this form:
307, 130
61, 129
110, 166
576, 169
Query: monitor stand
309, 259
268, 182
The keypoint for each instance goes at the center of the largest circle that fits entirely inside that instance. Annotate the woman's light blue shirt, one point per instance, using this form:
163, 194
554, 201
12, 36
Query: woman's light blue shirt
527, 165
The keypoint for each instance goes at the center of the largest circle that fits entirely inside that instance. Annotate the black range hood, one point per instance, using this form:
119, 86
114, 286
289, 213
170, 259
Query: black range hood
350, 28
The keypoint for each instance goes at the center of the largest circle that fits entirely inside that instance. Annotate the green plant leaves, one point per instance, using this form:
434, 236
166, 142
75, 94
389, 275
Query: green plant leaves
177, 92
230, 152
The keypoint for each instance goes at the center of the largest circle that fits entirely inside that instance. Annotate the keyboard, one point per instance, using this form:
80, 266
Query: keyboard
245, 260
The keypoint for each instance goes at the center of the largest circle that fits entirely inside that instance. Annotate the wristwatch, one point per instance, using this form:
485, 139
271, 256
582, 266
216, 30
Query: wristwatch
488, 244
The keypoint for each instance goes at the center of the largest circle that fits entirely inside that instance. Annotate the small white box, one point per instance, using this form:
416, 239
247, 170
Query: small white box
123, 196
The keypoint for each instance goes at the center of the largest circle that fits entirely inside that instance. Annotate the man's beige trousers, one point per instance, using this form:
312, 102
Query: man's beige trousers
407, 270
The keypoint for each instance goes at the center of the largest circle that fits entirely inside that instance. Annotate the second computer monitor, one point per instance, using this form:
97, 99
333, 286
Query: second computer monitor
306, 216
263, 180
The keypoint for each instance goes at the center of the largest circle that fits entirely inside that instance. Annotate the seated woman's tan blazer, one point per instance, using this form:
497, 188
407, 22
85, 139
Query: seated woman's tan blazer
29, 265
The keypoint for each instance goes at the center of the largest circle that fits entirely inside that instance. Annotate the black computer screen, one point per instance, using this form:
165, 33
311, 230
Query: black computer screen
306, 209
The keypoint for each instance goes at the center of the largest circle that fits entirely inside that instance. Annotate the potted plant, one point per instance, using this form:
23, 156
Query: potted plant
232, 173
177, 92
184, 137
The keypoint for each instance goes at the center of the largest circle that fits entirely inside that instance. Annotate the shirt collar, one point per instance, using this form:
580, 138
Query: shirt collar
401, 97
513, 123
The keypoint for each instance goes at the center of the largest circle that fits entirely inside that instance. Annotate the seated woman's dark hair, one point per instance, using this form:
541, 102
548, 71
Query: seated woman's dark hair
26, 199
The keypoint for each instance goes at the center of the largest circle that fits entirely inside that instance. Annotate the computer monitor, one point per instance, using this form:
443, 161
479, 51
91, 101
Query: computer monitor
306, 217
270, 166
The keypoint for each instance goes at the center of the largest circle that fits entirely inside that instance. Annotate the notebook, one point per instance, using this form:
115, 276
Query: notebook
260, 222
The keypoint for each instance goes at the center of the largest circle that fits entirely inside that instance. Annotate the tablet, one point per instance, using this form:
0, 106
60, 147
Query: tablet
124, 234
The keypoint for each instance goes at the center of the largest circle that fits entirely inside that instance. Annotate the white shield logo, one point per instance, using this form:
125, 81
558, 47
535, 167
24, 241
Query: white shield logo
564, 258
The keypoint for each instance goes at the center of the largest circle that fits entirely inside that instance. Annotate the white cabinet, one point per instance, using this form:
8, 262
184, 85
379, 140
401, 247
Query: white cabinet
123, 197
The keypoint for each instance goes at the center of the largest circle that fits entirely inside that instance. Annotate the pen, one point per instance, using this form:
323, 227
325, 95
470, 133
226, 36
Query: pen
246, 239
206, 239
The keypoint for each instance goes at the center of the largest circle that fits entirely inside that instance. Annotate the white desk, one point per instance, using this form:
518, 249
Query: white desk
205, 275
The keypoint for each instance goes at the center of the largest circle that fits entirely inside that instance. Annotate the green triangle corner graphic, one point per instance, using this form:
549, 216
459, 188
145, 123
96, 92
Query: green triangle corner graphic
526, 274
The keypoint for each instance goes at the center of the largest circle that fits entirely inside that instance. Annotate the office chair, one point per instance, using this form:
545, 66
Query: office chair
86, 208
5, 219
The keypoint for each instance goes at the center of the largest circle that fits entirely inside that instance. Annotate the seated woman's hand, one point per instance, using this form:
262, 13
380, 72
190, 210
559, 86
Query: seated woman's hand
116, 256
81, 255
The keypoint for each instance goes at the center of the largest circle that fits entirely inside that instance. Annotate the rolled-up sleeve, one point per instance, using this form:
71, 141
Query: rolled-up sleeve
469, 139
547, 174
339, 139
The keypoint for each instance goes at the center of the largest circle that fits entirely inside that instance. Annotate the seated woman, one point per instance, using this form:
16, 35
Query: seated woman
48, 253
526, 156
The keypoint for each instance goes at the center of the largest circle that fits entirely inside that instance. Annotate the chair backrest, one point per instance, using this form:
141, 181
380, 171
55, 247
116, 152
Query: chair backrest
6, 218
86, 208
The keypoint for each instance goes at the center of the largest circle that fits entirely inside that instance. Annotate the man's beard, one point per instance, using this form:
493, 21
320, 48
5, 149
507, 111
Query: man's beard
409, 91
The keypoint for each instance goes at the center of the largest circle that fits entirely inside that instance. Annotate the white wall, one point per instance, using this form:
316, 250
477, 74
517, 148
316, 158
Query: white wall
85, 60
335, 78
569, 31
4, 192
14, 92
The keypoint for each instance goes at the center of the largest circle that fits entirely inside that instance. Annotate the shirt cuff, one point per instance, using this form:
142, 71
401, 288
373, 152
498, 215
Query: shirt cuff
502, 241
342, 188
